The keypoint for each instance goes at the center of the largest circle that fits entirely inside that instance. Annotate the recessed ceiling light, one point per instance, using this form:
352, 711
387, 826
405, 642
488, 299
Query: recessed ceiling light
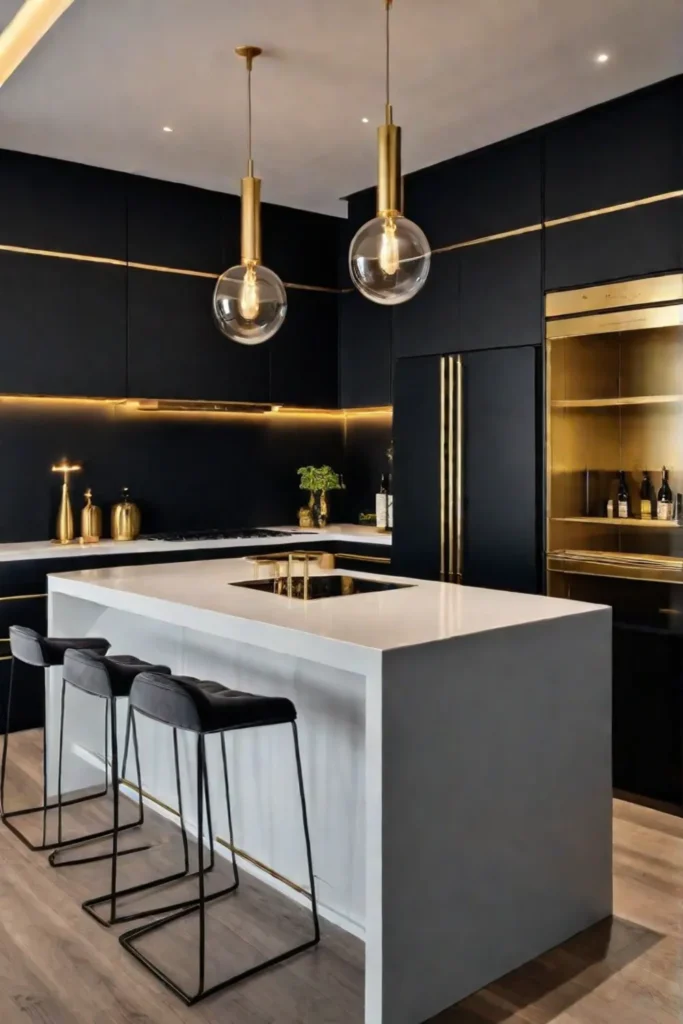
365, 120
167, 128
602, 58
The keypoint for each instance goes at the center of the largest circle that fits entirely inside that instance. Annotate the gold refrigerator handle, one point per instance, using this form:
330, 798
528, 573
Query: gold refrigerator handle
458, 459
443, 456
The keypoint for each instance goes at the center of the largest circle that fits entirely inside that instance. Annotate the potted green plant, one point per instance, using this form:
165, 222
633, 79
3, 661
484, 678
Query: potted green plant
319, 480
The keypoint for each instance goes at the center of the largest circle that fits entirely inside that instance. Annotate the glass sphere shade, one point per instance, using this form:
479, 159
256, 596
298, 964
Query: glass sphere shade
249, 304
389, 260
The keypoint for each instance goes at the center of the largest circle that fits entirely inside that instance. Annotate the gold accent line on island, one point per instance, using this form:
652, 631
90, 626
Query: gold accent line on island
21, 597
222, 842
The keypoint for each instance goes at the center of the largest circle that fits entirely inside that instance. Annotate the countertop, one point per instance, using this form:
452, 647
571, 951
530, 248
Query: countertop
198, 595
29, 550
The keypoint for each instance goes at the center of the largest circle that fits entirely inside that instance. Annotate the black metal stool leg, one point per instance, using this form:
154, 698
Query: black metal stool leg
112, 831
90, 904
229, 808
129, 937
45, 806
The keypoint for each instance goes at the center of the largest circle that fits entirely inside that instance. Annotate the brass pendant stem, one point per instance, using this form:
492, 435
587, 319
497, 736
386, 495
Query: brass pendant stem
389, 199
251, 220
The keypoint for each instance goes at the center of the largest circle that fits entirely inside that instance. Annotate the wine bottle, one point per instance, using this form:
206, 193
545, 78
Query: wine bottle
623, 498
665, 498
646, 493
382, 504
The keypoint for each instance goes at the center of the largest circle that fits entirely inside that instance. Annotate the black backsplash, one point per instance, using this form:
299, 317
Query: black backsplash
185, 470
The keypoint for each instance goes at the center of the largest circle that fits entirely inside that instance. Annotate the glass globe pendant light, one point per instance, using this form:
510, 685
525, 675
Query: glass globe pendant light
250, 301
389, 257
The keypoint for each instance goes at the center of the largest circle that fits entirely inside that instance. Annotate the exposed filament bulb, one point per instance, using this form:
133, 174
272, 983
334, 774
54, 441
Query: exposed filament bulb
248, 300
388, 251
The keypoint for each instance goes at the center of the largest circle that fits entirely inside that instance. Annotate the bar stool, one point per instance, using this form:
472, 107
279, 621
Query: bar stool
110, 679
31, 648
204, 708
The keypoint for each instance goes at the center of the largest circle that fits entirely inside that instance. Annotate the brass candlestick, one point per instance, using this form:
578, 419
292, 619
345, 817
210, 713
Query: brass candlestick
65, 516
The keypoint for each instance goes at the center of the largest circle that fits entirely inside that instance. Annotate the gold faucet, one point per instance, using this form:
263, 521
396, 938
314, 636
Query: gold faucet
65, 516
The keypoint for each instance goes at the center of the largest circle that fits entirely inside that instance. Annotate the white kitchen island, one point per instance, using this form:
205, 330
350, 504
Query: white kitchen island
456, 746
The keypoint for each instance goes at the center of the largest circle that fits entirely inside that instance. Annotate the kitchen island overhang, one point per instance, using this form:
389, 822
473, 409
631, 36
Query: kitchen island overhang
456, 746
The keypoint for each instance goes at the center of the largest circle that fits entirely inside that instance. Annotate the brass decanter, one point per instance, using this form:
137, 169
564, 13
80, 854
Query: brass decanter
125, 518
91, 520
65, 516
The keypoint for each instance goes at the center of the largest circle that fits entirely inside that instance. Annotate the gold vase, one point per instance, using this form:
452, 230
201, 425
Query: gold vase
65, 516
91, 521
125, 519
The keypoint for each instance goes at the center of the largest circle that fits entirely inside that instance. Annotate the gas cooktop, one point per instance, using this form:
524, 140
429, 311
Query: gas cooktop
219, 534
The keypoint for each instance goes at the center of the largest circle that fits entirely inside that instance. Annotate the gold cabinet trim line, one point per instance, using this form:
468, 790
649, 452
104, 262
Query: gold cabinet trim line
639, 319
21, 597
662, 197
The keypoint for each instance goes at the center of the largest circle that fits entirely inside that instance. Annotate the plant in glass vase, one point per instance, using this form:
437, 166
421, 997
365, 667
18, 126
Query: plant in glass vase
319, 480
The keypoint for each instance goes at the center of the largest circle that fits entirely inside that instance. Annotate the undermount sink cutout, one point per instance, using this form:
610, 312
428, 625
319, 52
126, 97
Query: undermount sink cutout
316, 587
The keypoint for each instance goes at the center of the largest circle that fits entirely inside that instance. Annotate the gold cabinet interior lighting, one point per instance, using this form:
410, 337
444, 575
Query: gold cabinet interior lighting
249, 301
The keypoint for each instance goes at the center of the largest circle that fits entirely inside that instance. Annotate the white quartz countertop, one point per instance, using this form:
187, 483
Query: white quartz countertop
29, 550
198, 595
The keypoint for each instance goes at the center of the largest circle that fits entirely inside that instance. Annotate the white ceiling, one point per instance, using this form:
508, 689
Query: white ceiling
101, 85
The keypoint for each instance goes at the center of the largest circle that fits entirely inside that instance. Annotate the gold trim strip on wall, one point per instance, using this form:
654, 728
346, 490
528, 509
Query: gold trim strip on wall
584, 215
6, 657
614, 209
222, 842
488, 238
21, 597
443, 455
646, 291
62, 255
609, 323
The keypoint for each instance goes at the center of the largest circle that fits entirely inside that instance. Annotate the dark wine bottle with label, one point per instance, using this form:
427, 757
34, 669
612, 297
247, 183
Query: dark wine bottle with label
646, 496
623, 497
665, 498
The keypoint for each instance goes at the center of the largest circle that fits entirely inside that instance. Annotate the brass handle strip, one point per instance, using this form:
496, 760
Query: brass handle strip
6, 657
452, 470
459, 512
443, 458
363, 558
21, 597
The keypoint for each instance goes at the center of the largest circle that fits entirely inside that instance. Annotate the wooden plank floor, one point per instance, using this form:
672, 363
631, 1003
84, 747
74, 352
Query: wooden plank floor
57, 966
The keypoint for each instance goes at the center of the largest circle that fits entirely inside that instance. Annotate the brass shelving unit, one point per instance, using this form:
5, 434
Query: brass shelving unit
614, 402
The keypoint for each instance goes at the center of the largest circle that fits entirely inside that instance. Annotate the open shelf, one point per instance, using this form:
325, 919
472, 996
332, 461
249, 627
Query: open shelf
648, 524
600, 403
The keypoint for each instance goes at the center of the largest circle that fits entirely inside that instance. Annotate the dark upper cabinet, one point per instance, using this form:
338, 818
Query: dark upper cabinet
615, 153
172, 225
63, 326
61, 206
176, 351
500, 293
303, 353
630, 243
428, 324
300, 246
483, 193
364, 352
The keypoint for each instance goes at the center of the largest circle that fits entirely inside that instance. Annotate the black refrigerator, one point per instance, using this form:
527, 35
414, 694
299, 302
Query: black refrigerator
468, 430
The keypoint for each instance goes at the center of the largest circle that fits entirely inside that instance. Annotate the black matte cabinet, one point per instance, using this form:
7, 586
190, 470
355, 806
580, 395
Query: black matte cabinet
499, 452
63, 327
62, 207
428, 323
171, 225
636, 242
303, 353
500, 287
364, 351
175, 349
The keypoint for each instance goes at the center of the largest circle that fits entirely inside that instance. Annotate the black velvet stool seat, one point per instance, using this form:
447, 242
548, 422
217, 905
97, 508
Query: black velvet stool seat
42, 652
204, 708
110, 678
